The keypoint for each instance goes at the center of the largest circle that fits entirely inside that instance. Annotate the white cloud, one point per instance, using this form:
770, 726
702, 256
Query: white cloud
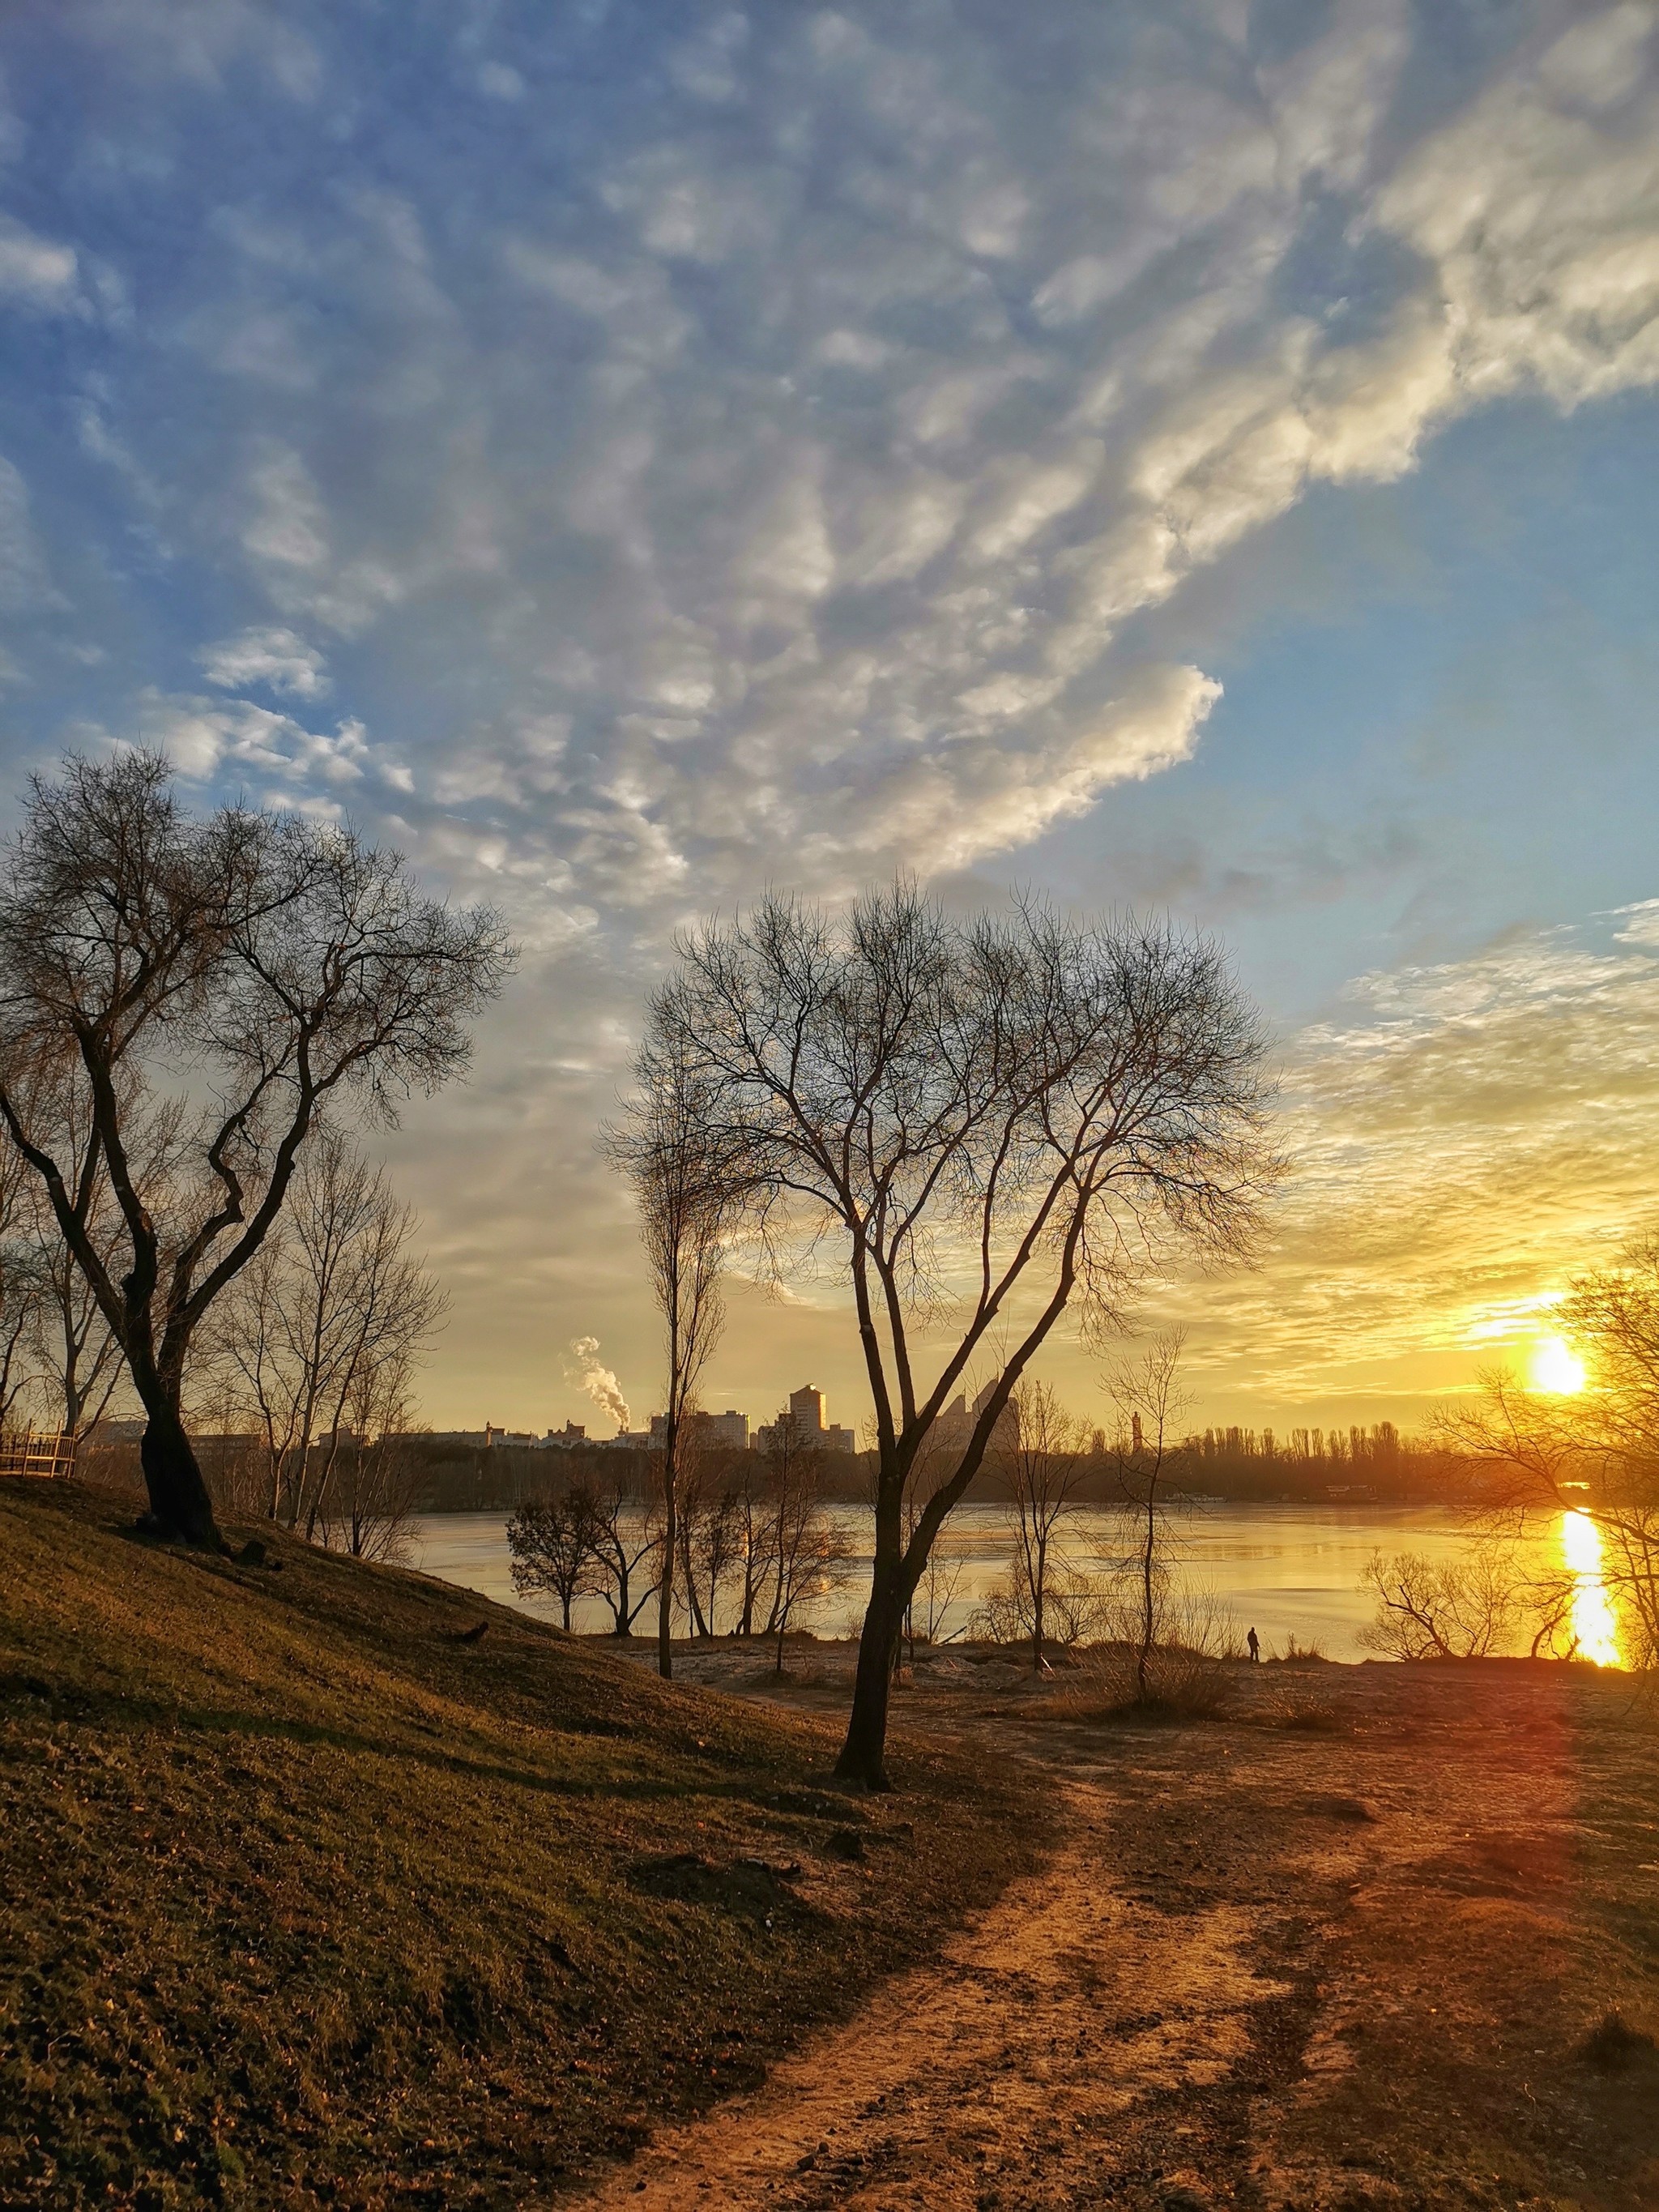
312, 771
278, 658
37, 272
823, 458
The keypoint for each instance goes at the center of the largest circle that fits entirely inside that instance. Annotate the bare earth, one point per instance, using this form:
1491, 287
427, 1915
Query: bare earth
1341, 1947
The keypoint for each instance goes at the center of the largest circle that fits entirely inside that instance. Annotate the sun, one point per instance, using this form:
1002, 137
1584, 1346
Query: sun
1557, 1368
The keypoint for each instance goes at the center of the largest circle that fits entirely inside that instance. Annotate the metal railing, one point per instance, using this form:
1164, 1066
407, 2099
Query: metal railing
48, 1452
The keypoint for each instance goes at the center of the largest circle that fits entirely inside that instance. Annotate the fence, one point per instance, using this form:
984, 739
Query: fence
49, 1453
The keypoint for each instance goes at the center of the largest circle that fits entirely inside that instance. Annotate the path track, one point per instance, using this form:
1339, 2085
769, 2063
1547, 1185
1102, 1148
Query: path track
1022, 2066
1342, 1956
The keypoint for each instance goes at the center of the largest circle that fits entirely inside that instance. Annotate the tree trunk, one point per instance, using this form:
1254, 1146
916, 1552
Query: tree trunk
864, 1755
1146, 1603
665, 1591
180, 1510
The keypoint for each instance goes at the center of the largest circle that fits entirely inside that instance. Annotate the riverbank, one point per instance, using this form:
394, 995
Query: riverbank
1368, 1936
312, 1894
322, 1884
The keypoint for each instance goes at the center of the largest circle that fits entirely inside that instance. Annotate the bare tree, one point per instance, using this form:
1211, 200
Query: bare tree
372, 1481
810, 1557
626, 1547
272, 965
327, 1317
552, 1543
756, 1537
22, 1288
935, 1593
1534, 1458
711, 1535
673, 1149
994, 1118
1150, 1402
1039, 1458
1451, 1609
74, 1349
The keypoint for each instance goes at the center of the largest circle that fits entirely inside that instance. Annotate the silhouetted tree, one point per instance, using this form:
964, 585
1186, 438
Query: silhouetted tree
993, 1116
275, 965
552, 1543
329, 1315
627, 1546
676, 1156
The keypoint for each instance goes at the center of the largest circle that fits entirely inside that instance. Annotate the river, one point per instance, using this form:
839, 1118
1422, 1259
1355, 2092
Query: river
1287, 1570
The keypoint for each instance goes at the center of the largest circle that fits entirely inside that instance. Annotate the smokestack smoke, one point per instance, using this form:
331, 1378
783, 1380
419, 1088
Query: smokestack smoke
600, 1384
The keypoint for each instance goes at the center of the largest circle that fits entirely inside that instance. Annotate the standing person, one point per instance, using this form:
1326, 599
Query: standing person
1254, 1642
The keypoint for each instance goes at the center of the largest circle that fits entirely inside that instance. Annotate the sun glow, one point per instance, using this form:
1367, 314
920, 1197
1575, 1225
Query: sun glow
1596, 1631
1557, 1368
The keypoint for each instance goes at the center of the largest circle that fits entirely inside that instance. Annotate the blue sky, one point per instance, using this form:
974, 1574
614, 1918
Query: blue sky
1199, 455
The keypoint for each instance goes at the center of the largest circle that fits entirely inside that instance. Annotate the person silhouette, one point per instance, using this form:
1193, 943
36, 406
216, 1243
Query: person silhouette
1254, 1642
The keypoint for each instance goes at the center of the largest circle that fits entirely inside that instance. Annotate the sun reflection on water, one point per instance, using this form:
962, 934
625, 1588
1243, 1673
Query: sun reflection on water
1595, 1629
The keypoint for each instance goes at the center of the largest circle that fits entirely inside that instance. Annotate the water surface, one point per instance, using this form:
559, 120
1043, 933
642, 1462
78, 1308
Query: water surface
1287, 1571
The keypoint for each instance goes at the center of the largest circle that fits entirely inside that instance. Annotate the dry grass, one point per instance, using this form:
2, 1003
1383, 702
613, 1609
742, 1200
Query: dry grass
310, 1896
1181, 1684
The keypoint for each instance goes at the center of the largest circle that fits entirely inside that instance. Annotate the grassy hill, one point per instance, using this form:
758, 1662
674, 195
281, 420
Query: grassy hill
306, 1900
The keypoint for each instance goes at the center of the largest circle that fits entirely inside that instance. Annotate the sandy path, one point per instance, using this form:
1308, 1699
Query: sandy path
1009, 2070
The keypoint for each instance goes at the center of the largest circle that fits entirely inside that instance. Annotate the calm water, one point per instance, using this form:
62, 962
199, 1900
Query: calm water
1285, 1570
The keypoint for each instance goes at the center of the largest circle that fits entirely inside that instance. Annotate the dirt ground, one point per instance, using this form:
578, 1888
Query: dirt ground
1349, 1943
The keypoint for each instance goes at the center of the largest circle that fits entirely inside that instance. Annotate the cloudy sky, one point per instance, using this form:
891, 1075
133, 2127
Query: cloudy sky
1186, 452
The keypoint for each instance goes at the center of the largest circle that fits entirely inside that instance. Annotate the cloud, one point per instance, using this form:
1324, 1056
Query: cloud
202, 42
37, 272
276, 657
1464, 1137
784, 444
824, 450
312, 771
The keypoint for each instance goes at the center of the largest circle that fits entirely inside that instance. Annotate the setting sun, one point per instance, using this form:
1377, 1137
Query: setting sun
1556, 1368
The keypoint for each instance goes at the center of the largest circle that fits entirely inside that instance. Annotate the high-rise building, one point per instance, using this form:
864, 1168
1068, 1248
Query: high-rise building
804, 1416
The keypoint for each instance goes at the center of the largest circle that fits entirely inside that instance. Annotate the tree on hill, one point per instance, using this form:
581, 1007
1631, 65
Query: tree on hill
266, 967
995, 1119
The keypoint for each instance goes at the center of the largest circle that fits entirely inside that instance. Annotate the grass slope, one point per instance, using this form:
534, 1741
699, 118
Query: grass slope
306, 1900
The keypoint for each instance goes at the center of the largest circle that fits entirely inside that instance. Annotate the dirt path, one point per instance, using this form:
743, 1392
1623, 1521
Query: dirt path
1010, 2060
1343, 1959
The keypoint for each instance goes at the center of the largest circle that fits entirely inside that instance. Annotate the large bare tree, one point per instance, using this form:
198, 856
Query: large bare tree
686, 1177
997, 1119
261, 964
77, 1356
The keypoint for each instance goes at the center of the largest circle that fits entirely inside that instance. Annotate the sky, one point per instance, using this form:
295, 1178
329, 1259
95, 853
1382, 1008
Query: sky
1185, 454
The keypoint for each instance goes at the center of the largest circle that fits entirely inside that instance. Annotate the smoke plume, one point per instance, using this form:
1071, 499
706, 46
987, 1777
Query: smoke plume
600, 1384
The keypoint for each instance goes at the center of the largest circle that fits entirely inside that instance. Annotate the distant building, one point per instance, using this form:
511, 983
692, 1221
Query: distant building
520, 1439
729, 1429
803, 1418
953, 1431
